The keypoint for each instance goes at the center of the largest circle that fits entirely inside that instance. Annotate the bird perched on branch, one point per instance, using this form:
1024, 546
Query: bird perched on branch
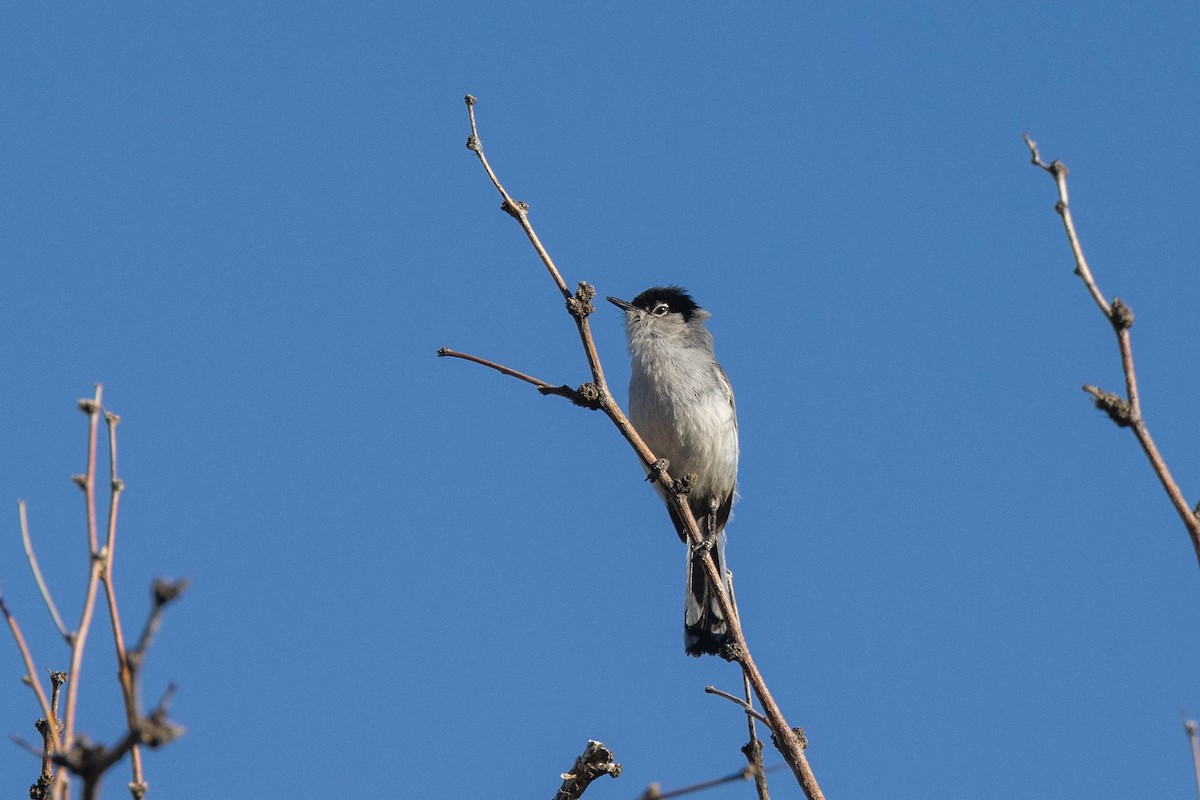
682, 405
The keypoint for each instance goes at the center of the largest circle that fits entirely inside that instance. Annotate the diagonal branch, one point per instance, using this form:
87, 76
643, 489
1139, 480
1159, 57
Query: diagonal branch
1127, 411
585, 395
37, 573
579, 306
30, 673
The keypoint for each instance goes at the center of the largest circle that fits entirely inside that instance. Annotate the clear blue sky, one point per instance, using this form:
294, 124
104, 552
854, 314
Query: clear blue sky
256, 223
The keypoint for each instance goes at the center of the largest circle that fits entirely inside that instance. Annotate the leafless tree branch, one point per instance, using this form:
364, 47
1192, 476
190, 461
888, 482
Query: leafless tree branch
579, 306
654, 792
37, 573
1124, 411
62, 746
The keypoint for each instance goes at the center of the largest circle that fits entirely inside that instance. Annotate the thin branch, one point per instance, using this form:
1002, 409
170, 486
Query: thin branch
746, 773
1127, 411
1189, 725
1058, 171
163, 594
37, 573
579, 305
585, 396
86, 482
137, 785
753, 748
30, 677
517, 209
749, 709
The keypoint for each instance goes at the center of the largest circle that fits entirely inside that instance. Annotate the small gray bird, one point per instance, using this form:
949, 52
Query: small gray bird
682, 405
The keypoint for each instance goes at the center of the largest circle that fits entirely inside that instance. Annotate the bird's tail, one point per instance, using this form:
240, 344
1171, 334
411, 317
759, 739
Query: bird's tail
705, 630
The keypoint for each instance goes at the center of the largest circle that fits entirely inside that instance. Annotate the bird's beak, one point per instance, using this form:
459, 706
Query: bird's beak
624, 305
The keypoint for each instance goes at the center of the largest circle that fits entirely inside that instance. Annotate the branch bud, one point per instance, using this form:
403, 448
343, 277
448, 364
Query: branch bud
1121, 315
1117, 407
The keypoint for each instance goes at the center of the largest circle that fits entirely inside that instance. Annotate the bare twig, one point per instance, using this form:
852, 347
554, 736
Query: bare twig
653, 792
163, 593
30, 677
62, 746
48, 725
580, 306
594, 761
137, 785
753, 748
749, 709
1189, 725
86, 482
37, 573
517, 209
585, 395
1127, 411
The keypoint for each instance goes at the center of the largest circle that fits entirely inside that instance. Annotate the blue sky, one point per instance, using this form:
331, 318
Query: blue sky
256, 223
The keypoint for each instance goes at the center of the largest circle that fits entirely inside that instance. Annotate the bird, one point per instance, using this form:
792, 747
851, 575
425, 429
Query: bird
681, 404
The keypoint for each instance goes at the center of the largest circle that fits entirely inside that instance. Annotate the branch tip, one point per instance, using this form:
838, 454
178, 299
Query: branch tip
166, 591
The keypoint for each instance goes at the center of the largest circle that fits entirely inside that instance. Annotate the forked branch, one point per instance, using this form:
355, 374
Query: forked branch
62, 746
579, 306
1124, 411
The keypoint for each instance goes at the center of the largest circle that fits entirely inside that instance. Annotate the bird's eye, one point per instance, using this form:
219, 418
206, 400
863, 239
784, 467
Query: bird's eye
661, 310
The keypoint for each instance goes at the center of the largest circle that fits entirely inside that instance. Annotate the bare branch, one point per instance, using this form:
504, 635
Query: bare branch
30, 677
653, 792
163, 593
580, 307
1127, 411
753, 748
1058, 171
749, 709
86, 482
517, 209
125, 674
37, 573
586, 395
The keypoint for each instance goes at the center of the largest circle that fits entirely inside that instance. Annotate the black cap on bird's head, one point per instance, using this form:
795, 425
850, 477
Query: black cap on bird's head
662, 300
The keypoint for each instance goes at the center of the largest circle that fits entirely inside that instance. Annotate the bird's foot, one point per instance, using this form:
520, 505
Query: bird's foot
657, 469
702, 547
